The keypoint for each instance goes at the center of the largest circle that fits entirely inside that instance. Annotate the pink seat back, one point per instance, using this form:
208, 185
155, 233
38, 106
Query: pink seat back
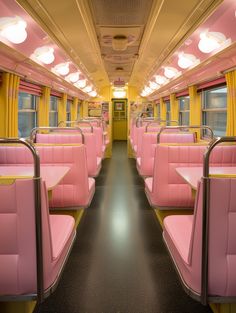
149, 142
17, 238
89, 141
222, 232
73, 190
169, 189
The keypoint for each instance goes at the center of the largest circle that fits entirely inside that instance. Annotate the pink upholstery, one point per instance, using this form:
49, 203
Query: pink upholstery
149, 141
73, 191
100, 145
17, 239
183, 236
168, 188
93, 162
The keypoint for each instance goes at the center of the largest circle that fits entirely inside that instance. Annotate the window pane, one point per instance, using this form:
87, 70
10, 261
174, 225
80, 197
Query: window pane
53, 119
53, 103
26, 121
26, 101
184, 103
217, 121
216, 98
184, 118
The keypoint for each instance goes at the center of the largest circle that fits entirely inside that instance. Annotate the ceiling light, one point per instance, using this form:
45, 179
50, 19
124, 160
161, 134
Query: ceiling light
93, 93
153, 85
209, 41
187, 60
13, 29
62, 68
170, 72
43, 54
88, 89
148, 89
160, 79
73, 77
80, 83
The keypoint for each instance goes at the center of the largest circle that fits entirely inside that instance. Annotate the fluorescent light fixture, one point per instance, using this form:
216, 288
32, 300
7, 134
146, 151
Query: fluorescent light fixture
62, 68
148, 90
73, 77
170, 72
80, 83
88, 89
43, 54
93, 93
210, 41
153, 85
187, 60
13, 29
161, 80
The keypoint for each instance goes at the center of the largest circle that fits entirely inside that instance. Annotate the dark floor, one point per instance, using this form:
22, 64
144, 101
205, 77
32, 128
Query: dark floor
119, 262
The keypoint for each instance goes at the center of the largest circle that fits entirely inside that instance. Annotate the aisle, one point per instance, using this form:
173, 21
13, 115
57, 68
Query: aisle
119, 262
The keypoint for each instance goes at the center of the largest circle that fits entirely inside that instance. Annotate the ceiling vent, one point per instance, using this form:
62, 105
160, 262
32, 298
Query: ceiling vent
119, 69
119, 42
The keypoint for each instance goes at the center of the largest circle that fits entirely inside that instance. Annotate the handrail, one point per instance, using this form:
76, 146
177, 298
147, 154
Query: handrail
76, 123
184, 127
38, 215
156, 120
140, 119
92, 119
36, 129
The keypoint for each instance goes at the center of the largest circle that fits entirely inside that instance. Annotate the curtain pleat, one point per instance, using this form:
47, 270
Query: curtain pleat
74, 109
9, 105
162, 110
44, 107
231, 103
174, 109
62, 108
195, 108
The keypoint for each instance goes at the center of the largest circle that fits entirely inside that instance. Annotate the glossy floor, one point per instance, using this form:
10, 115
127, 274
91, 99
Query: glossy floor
119, 262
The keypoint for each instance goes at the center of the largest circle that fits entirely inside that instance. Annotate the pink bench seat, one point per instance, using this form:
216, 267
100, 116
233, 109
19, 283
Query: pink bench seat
76, 189
167, 189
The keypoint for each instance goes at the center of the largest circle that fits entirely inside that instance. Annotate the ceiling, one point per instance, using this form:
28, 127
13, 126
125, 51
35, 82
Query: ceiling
121, 41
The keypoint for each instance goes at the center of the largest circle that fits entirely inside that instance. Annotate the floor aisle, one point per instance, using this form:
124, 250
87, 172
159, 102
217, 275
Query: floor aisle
119, 262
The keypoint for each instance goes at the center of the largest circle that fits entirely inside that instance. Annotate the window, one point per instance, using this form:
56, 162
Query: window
68, 111
27, 113
168, 115
184, 110
214, 110
53, 111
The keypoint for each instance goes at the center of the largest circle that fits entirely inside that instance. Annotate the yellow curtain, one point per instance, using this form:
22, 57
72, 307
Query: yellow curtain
9, 91
62, 108
174, 109
44, 107
231, 103
162, 110
155, 113
74, 109
195, 108
84, 107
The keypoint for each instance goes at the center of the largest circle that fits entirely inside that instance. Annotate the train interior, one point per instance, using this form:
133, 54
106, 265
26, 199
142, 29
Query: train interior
117, 156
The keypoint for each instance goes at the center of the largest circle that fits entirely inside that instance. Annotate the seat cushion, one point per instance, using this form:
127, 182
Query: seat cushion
177, 233
148, 184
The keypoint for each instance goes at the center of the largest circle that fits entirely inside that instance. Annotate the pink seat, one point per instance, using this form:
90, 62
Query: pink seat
146, 163
183, 237
93, 161
167, 189
76, 189
18, 242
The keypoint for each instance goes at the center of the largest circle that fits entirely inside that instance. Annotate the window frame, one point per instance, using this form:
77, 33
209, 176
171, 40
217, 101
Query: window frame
204, 110
181, 112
